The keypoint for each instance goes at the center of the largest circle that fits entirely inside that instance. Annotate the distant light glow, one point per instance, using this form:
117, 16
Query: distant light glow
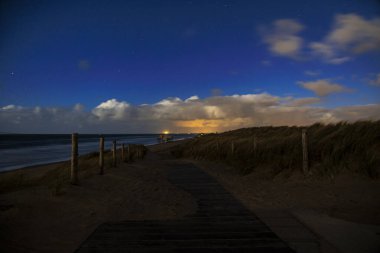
166, 132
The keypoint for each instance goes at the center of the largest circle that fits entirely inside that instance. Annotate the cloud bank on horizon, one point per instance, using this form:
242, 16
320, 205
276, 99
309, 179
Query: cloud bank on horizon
216, 113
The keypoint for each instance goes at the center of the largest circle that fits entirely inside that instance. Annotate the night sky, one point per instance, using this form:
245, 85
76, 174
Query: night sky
186, 66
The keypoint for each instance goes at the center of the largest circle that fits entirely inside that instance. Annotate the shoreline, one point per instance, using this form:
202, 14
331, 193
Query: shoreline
60, 161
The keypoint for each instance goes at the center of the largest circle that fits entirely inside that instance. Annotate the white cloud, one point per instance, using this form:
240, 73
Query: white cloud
282, 37
339, 60
214, 112
354, 33
192, 98
262, 99
169, 101
323, 87
11, 107
209, 114
328, 53
351, 34
111, 109
322, 49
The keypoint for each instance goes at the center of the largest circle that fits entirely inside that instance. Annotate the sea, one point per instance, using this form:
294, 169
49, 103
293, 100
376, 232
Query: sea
24, 150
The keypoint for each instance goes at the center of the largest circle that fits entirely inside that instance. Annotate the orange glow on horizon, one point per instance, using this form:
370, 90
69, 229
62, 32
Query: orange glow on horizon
200, 125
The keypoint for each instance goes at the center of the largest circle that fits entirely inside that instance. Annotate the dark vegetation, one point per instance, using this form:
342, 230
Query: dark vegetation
332, 148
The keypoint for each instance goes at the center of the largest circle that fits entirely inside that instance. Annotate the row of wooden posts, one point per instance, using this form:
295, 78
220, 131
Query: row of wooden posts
305, 156
125, 155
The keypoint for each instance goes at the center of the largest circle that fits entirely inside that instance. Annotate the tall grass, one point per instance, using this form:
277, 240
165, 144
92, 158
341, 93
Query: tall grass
333, 148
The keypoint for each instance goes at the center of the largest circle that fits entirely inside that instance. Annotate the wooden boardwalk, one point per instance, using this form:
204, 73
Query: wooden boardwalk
221, 224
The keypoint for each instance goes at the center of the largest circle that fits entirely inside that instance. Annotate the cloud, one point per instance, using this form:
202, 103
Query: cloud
44, 119
376, 81
11, 107
327, 53
192, 98
282, 37
350, 35
323, 87
112, 109
339, 60
312, 73
305, 101
79, 107
354, 33
194, 114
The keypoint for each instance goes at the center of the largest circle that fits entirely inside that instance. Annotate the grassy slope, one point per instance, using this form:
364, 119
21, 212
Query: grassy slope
333, 148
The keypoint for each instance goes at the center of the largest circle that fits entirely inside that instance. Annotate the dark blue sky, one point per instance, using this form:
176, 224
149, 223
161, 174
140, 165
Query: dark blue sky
60, 53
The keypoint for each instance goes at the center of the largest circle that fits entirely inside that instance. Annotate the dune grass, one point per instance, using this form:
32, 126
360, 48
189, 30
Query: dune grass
333, 148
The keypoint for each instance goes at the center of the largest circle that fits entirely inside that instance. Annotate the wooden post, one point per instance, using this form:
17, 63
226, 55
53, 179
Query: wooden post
254, 145
232, 148
305, 158
101, 155
122, 153
114, 154
128, 153
74, 159
138, 152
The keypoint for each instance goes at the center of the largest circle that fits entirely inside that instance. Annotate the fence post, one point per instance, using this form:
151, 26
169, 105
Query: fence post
114, 153
138, 153
128, 153
122, 152
74, 159
101, 155
254, 145
305, 158
232, 148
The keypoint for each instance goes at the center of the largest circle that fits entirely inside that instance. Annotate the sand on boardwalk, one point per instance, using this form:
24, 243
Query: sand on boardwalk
37, 218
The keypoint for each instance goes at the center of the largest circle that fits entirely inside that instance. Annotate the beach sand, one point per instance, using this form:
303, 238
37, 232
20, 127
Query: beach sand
39, 214
39, 218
